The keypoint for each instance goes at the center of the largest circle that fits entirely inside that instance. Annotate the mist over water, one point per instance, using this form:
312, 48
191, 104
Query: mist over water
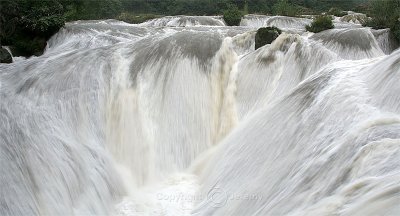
181, 116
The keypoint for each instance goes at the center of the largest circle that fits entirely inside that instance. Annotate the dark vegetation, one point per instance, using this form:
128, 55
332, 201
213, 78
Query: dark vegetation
320, 23
26, 25
284, 8
384, 14
232, 16
266, 36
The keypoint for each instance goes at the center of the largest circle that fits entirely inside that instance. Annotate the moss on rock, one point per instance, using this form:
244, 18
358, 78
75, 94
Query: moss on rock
320, 23
266, 36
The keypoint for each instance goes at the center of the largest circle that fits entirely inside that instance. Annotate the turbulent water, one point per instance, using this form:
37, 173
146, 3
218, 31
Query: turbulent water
181, 116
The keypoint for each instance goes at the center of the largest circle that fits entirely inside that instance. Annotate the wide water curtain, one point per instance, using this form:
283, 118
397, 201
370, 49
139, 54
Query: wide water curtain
180, 115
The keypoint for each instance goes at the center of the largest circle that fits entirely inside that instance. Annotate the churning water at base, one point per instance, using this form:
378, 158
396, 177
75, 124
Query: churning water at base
181, 116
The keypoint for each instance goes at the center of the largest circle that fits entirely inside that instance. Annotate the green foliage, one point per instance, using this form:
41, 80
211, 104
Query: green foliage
305, 11
9, 16
92, 9
136, 18
177, 7
284, 8
42, 18
337, 12
232, 16
325, 5
214, 7
361, 8
266, 36
395, 30
259, 6
29, 24
385, 14
320, 23
246, 8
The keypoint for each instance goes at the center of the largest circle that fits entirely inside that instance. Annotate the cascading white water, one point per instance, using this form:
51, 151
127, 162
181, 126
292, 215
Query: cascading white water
385, 40
295, 24
254, 20
185, 21
268, 73
157, 119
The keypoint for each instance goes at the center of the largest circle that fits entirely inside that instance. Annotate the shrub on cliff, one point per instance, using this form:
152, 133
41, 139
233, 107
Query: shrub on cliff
385, 14
320, 23
232, 16
266, 36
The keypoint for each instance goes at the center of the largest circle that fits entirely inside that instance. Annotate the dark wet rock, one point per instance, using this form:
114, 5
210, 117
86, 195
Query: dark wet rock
266, 36
5, 56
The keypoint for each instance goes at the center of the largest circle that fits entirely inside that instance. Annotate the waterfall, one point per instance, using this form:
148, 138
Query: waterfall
385, 40
358, 43
254, 20
181, 115
288, 23
327, 147
186, 21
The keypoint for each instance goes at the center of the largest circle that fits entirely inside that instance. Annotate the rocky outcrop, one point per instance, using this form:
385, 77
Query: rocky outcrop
5, 56
266, 36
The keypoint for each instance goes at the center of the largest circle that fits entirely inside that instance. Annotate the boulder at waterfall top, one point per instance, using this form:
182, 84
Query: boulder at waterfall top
266, 36
5, 56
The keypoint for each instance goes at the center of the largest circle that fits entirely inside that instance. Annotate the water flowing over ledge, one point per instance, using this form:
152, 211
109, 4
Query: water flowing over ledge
180, 116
